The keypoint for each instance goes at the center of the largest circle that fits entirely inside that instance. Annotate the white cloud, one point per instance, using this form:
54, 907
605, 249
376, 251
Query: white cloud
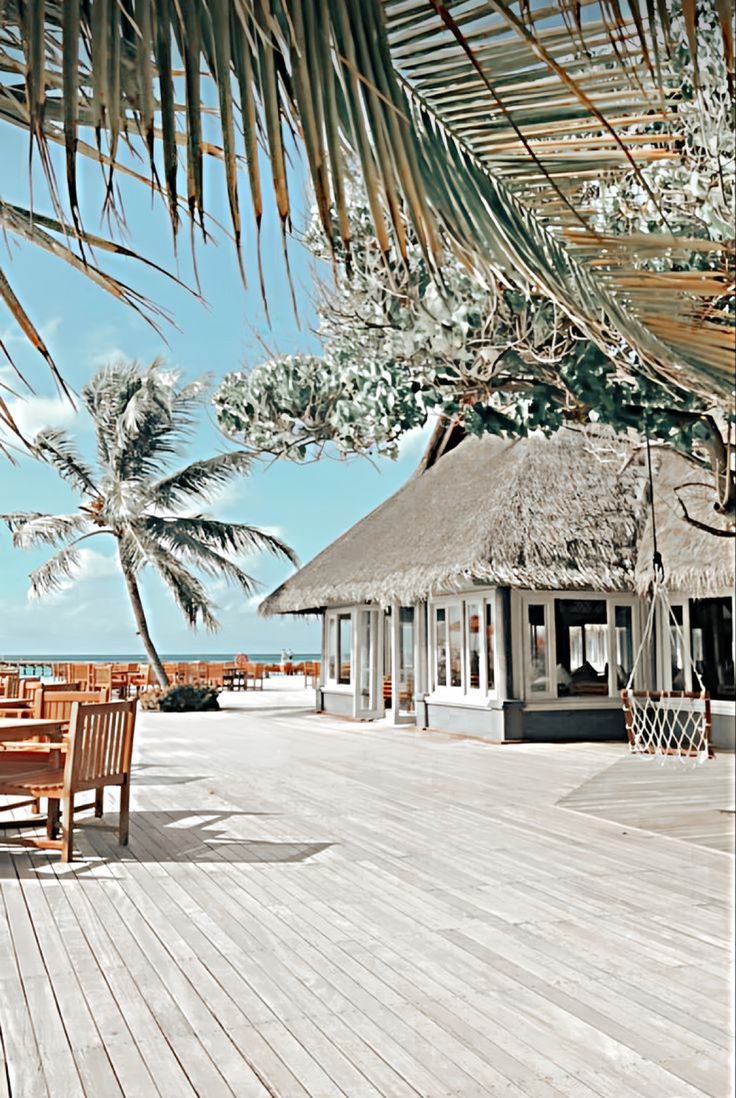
414, 442
34, 412
274, 531
15, 336
92, 566
107, 356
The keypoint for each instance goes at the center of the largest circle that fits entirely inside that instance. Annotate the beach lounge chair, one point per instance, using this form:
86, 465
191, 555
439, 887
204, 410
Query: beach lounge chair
99, 749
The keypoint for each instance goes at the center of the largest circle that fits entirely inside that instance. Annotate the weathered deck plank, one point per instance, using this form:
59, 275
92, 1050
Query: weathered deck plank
310, 908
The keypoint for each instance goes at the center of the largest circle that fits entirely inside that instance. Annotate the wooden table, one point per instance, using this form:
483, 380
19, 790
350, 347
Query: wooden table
15, 703
14, 731
26, 728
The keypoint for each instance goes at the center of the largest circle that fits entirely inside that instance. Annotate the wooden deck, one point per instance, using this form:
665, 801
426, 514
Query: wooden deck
315, 909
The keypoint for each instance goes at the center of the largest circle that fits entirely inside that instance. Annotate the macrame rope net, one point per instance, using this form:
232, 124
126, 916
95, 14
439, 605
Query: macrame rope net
667, 724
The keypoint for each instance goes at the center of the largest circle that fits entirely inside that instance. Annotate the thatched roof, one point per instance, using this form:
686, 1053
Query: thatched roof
537, 513
695, 562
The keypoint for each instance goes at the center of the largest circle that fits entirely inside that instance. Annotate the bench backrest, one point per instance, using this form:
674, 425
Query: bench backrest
100, 744
57, 705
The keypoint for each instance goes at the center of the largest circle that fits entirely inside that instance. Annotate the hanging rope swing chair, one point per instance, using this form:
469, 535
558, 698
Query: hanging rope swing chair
665, 724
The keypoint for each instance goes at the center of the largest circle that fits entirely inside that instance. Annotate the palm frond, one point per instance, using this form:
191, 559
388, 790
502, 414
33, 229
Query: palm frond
55, 446
464, 115
32, 227
179, 540
33, 528
200, 480
224, 537
142, 419
188, 592
52, 575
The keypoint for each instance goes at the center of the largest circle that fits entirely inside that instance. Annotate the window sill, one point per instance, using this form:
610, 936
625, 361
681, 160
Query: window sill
336, 688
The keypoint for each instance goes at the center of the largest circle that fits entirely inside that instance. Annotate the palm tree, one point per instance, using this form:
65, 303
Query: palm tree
142, 420
490, 119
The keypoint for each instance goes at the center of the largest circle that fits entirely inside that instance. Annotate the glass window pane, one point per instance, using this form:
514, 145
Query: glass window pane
538, 659
455, 644
345, 629
490, 649
472, 626
624, 634
677, 649
440, 646
711, 625
406, 659
366, 655
331, 649
581, 627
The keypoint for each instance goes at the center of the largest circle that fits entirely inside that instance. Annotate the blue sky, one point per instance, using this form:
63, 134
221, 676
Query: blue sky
308, 505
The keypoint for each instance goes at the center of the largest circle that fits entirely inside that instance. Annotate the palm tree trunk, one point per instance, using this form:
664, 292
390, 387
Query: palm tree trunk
142, 625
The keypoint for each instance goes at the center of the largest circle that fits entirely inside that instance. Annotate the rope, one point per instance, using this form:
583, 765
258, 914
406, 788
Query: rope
659, 595
657, 563
671, 723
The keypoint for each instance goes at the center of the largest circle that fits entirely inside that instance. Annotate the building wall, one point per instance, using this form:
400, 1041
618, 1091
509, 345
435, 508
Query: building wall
510, 721
723, 732
508, 718
557, 725
487, 724
341, 703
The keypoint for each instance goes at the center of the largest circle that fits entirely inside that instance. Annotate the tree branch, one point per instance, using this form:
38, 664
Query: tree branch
715, 530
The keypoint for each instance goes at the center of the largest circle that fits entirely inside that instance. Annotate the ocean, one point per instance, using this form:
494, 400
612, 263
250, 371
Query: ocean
40, 659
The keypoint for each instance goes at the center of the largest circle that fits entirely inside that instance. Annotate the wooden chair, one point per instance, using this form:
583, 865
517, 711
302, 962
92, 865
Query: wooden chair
80, 672
99, 750
32, 693
49, 703
58, 687
9, 685
256, 672
101, 676
215, 674
311, 673
57, 705
142, 678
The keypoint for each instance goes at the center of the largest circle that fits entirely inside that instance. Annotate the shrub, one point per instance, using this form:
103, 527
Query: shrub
180, 699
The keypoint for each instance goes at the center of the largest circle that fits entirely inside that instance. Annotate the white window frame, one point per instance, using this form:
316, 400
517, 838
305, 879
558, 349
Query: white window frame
664, 629
612, 601
333, 616
374, 709
482, 597
666, 649
547, 599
